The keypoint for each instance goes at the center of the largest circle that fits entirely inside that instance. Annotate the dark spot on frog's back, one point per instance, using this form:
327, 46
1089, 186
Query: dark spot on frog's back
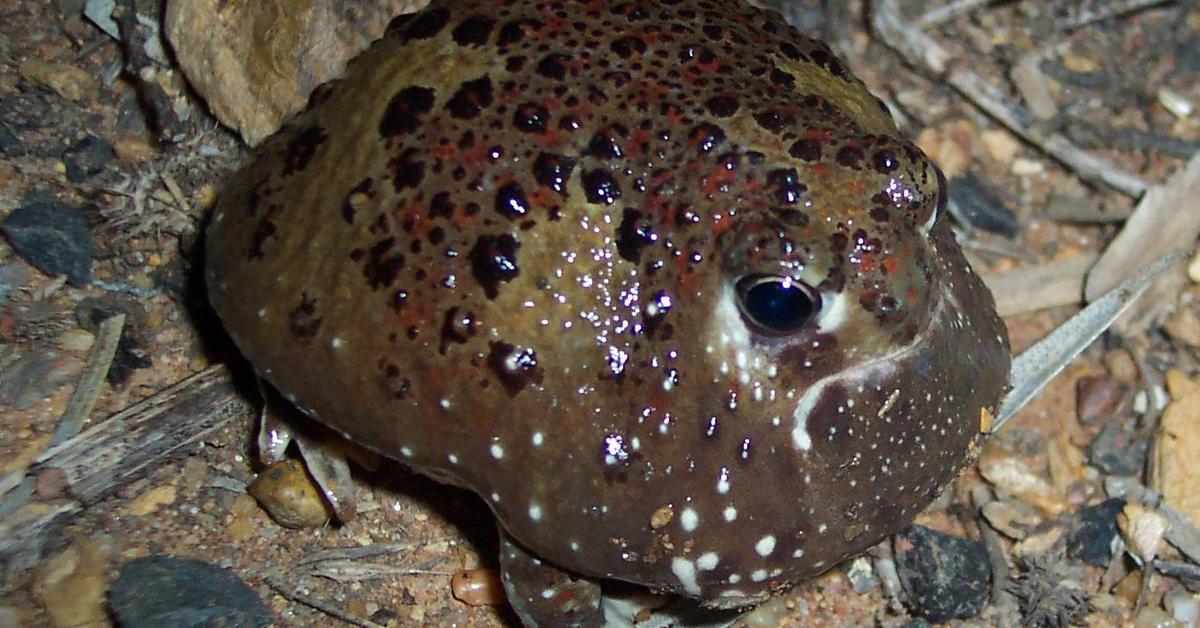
511, 202
515, 367
600, 187
722, 106
457, 328
471, 98
301, 149
553, 171
428, 23
382, 265
531, 118
785, 185
634, 234
473, 31
806, 149
405, 110
407, 170
303, 320
494, 260
554, 66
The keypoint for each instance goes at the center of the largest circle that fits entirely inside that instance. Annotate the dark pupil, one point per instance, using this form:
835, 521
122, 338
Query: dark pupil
778, 305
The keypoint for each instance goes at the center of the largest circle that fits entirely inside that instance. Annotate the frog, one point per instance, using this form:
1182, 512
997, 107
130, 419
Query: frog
662, 283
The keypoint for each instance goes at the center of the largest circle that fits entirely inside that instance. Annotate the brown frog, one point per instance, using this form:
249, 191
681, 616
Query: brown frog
659, 281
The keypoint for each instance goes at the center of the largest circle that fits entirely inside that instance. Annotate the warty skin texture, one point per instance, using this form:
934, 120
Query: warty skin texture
510, 249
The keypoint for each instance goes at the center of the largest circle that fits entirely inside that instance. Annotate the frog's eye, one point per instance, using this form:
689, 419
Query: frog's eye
774, 305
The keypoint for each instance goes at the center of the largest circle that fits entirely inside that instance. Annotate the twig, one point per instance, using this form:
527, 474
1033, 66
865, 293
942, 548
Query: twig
110, 455
282, 588
940, 15
363, 551
932, 58
95, 368
1087, 16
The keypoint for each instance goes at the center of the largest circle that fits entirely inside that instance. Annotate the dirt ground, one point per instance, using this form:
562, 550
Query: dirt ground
1119, 87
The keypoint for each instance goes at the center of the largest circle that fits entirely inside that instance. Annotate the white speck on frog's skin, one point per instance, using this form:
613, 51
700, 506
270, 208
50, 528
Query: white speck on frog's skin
775, 298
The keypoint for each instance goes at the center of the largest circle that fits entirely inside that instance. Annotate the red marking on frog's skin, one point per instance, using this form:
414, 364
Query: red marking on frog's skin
506, 248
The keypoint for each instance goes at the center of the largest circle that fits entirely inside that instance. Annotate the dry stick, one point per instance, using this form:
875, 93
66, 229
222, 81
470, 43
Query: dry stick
281, 587
115, 452
95, 368
931, 57
940, 15
1086, 17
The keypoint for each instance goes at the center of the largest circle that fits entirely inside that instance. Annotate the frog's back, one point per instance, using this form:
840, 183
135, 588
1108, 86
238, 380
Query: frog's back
502, 250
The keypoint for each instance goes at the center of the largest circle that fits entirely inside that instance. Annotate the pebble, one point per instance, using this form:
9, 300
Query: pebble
1014, 519
861, 575
1193, 269
1183, 326
286, 492
1121, 366
53, 237
944, 577
76, 340
1098, 398
477, 587
1013, 476
1092, 531
1001, 145
1115, 452
70, 585
87, 158
162, 591
149, 501
1178, 455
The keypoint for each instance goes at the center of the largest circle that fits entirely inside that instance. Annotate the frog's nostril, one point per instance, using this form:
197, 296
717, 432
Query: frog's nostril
776, 305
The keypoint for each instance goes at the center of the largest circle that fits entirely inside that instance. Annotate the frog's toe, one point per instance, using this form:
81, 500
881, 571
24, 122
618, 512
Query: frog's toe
544, 595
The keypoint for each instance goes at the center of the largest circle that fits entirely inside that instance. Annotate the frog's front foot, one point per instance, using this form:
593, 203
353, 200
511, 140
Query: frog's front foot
544, 595
325, 459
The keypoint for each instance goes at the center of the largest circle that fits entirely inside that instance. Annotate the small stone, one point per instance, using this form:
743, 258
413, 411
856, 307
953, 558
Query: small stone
945, 577
66, 80
1193, 269
161, 591
1178, 455
1098, 398
1183, 326
1014, 519
1001, 145
861, 575
288, 494
1093, 530
86, 158
76, 340
53, 237
1143, 530
477, 587
148, 502
1013, 476
1023, 167
70, 585
1179, 384
1115, 452
132, 150
1121, 366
